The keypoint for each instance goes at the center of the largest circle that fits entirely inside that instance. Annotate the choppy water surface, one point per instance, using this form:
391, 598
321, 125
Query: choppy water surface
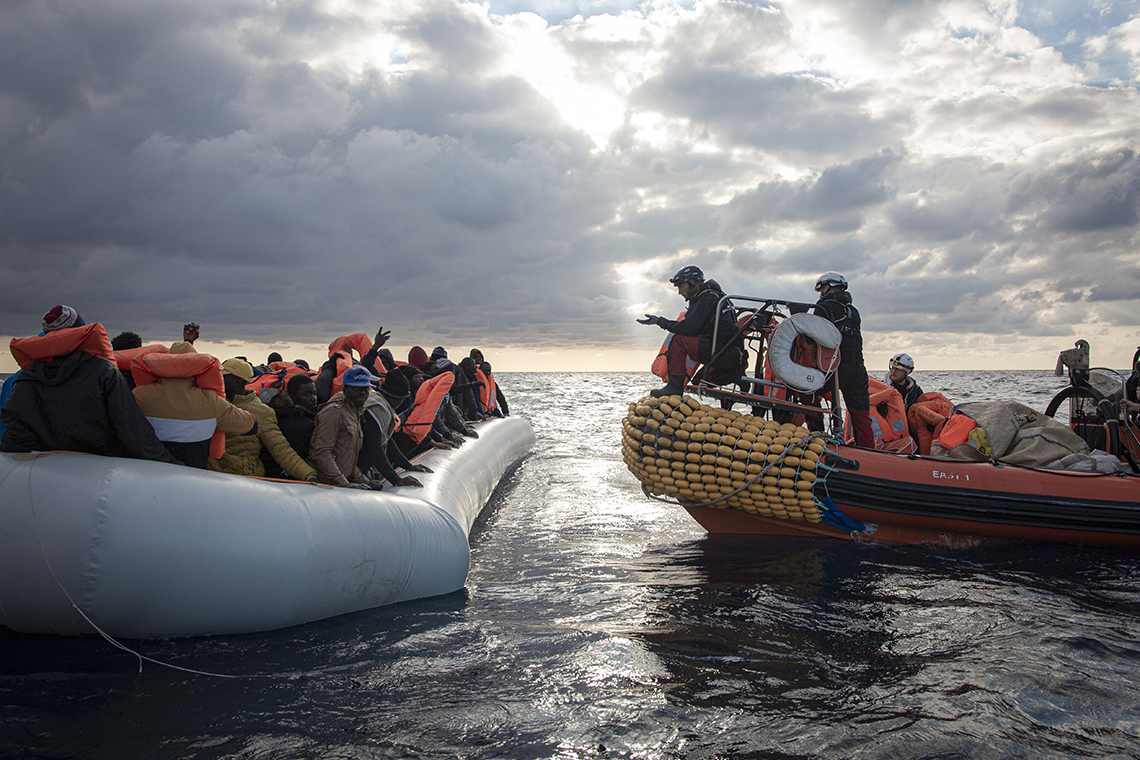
597, 623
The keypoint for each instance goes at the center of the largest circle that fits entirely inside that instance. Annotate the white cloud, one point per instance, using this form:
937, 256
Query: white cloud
528, 175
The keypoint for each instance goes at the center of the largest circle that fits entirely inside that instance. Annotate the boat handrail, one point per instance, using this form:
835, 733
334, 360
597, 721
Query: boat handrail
770, 307
1123, 381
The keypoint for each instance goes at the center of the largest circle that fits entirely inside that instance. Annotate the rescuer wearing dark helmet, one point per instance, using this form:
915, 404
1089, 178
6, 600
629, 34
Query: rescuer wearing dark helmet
690, 341
834, 304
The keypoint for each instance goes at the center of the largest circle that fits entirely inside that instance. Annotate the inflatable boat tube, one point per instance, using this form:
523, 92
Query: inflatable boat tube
782, 348
152, 550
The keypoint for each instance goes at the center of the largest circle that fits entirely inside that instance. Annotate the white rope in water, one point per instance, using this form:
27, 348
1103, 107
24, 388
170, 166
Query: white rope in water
106, 636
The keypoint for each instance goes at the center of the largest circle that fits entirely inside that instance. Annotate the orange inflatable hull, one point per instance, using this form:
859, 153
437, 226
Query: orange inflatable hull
914, 499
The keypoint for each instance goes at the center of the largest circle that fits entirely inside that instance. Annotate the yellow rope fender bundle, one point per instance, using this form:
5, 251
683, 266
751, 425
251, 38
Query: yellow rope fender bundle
681, 449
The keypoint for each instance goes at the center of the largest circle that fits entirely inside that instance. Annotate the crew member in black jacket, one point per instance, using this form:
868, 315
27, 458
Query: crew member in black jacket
690, 342
835, 305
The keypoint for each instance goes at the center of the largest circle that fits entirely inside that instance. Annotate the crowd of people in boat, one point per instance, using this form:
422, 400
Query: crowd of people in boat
879, 412
356, 421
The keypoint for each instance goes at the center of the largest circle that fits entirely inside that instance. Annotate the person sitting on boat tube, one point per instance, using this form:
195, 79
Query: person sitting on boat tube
338, 437
182, 394
378, 422
500, 404
403, 407
449, 423
296, 409
835, 305
69, 395
690, 340
898, 377
243, 452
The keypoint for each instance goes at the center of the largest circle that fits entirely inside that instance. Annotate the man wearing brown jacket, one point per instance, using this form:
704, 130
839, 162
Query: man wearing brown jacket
338, 438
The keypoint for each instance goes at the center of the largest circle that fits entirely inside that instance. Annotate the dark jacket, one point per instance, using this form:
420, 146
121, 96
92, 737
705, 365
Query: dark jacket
701, 316
296, 424
464, 393
77, 402
908, 389
836, 306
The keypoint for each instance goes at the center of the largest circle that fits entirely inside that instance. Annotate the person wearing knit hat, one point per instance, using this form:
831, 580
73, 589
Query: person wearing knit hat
60, 317
334, 451
70, 396
417, 357
243, 451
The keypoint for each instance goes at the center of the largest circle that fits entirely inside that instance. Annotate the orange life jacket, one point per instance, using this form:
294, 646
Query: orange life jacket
418, 422
806, 353
660, 366
926, 418
268, 384
345, 344
487, 396
90, 339
781, 392
956, 431
147, 368
889, 427
124, 356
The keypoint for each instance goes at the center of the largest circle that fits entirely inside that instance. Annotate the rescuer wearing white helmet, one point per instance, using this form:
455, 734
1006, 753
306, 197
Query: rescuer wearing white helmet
898, 376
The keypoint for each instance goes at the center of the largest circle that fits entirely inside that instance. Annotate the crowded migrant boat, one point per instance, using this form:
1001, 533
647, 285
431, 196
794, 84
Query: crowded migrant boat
358, 420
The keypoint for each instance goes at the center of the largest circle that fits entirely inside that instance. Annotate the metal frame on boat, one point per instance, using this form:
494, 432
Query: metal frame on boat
910, 498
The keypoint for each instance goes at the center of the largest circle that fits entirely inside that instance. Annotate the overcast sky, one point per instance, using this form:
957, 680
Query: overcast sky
525, 176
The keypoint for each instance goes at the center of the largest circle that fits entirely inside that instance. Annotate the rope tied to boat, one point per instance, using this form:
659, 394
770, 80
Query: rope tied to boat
36, 456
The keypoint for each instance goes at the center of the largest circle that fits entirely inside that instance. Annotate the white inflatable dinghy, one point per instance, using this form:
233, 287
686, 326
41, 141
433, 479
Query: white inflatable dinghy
152, 550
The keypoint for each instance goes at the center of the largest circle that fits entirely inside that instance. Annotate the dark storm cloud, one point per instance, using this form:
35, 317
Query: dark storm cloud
300, 170
830, 200
184, 161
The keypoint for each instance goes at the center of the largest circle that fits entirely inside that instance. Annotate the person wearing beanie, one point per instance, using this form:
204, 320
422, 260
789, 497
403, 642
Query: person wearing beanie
69, 395
338, 437
465, 392
500, 400
417, 357
243, 452
380, 454
61, 317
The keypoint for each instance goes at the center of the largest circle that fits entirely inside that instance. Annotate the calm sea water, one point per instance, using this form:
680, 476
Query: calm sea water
596, 623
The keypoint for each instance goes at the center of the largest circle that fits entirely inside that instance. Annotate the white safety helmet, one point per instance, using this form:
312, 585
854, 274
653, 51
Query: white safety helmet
833, 279
902, 361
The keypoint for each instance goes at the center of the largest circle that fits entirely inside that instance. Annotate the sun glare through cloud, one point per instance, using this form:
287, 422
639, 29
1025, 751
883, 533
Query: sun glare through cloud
460, 170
